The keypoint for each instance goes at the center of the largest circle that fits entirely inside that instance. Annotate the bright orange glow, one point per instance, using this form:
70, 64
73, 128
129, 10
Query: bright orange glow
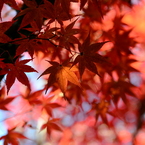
135, 19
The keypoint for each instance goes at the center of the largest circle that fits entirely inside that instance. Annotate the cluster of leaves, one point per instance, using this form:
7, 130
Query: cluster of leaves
80, 69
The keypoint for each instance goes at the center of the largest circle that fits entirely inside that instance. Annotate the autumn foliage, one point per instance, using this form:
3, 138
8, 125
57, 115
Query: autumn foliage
72, 72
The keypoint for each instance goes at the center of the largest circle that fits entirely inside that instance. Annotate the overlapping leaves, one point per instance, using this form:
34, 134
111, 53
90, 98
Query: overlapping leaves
88, 56
33, 13
67, 38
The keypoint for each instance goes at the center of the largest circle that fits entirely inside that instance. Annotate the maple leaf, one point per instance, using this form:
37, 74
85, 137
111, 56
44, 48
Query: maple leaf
17, 70
124, 66
27, 44
123, 42
118, 89
75, 93
88, 56
48, 106
61, 74
101, 109
3, 27
55, 12
67, 37
12, 137
33, 98
50, 125
34, 13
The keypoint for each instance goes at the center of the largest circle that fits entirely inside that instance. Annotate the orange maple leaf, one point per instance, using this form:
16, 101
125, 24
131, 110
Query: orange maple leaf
101, 110
61, 74
88, 56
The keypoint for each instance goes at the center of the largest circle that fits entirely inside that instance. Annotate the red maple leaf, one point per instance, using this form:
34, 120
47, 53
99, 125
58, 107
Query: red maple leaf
56, 12
17, 70
50, 125
67, 38
12, 137
118, 89
34, 13
27, 44
33, 97
88, 56
48, 105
